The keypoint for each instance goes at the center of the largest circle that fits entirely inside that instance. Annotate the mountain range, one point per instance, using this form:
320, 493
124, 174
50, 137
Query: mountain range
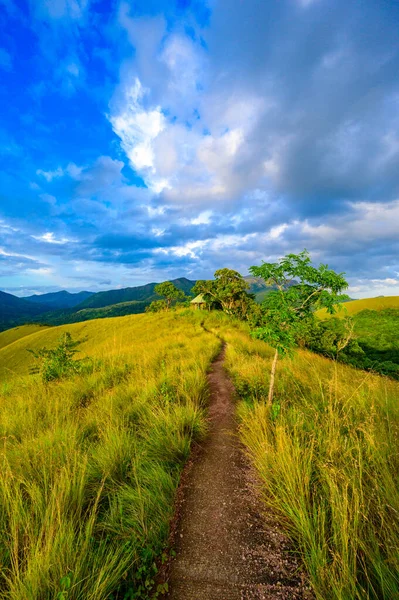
57, 308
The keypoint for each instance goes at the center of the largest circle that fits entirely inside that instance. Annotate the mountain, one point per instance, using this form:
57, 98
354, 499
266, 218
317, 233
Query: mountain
142, 293
258, 286
13, 309
57, 300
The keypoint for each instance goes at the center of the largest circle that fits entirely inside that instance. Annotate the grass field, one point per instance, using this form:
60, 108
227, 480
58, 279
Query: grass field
90, 464
12, 335
327, 456
355, 306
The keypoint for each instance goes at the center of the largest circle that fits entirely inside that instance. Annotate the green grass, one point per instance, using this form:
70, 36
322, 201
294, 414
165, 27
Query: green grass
327, 457
355, 306
89, 465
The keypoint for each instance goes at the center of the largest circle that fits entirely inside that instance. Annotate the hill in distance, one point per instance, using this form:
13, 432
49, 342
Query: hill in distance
57, 300
63, 307
13, 309
355, 306
142, 293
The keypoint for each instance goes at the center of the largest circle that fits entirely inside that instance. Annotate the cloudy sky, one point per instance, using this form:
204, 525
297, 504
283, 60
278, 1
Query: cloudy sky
146, 140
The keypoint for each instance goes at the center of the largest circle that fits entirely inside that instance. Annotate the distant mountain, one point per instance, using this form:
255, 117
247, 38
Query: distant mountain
259, 287
13, 310
58, 300
142, 293
63, 307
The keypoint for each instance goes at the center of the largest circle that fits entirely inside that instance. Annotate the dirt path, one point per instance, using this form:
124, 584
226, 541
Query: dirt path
226, 549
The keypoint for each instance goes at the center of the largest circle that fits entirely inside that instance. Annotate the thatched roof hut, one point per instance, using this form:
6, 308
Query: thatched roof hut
198, 301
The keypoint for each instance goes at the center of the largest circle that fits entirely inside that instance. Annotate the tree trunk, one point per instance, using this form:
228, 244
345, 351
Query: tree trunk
272, 373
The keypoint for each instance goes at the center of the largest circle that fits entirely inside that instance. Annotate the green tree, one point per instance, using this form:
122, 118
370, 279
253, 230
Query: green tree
170, 292
286, 312
156, 306
59, 361
228, 291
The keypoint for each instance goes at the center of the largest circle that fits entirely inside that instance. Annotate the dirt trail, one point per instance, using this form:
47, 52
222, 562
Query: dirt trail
226, 548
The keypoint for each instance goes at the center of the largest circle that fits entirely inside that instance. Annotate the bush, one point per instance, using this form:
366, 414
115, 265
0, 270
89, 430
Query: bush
58, 362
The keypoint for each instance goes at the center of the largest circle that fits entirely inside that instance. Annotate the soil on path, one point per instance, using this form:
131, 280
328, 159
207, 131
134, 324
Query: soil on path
226, 547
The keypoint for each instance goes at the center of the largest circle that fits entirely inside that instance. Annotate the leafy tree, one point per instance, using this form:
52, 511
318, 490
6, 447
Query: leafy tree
58, 362
287, 311
156, 306
228, 291
333, 336
170, 292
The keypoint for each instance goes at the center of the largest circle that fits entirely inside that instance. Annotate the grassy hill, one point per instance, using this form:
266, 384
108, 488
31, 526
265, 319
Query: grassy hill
91, 462
13, 335
58, 300
327, 457
376, 326
355, 306
62, 307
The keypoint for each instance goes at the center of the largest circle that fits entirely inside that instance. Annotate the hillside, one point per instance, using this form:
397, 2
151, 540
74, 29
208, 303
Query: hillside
98, 456
13, 309
142, 293
354, 306
375, 345
63, 307
58, 300
12, 335
92, 462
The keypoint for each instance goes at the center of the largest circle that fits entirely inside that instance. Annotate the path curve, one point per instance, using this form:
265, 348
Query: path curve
226, 547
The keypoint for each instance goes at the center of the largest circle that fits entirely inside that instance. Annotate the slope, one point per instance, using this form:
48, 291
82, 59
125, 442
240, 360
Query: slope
13, 309
355, 306
90, 463
12, 335
142, 293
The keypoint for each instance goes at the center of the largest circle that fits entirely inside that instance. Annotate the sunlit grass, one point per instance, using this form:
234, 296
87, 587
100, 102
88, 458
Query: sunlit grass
355, 306
328, 458
89, 465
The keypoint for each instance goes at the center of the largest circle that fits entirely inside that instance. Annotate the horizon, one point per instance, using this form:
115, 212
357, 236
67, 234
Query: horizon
162, 140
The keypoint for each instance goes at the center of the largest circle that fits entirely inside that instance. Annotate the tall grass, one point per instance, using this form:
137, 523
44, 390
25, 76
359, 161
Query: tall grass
89, 465
328, 457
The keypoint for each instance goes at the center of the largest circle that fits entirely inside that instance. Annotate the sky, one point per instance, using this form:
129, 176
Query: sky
152, 139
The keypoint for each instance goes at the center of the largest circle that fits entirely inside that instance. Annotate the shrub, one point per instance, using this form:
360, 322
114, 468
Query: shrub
59, 361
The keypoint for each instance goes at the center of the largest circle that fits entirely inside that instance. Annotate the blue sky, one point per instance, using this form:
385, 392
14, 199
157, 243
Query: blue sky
142, 141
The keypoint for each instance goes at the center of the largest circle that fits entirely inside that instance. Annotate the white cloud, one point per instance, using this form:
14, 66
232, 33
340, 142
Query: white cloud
189, 143
50, 175
138, 128
50, 238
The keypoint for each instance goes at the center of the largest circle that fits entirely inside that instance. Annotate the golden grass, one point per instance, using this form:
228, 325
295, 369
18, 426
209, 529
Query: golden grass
355, 306
89, 465
327, 456
12, 335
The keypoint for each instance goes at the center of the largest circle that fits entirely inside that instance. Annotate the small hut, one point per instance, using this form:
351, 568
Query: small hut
198, 302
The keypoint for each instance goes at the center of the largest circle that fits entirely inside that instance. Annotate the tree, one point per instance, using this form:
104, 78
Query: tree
286, 312
156, 306
228, 291
170, 292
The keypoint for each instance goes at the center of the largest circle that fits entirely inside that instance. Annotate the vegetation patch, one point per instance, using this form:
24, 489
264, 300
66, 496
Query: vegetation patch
326, 453
90, 461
